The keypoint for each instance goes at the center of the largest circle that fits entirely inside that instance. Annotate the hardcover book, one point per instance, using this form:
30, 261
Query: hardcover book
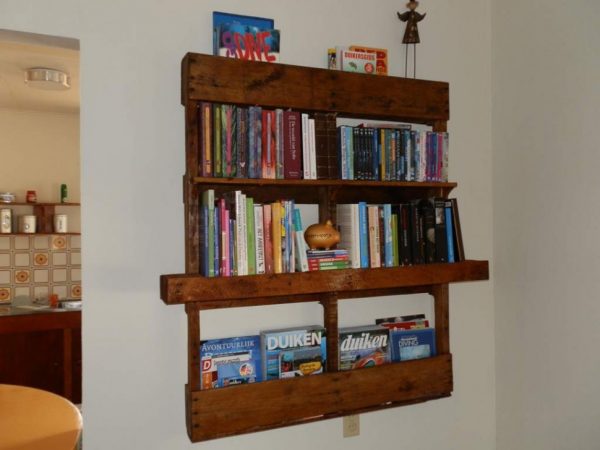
360, 62
292, 145
230, 361
381, 55
364, 346
412, 344
293, 352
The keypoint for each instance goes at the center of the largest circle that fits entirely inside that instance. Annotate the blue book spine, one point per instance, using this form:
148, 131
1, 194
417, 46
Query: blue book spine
363, 228
387, 234
449, 233
349, 152
376, 162
204, 240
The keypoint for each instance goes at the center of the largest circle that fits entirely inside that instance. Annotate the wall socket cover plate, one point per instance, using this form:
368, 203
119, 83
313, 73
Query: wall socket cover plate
351, 425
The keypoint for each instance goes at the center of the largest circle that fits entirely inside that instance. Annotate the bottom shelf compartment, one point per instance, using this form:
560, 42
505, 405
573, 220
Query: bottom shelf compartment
247, 408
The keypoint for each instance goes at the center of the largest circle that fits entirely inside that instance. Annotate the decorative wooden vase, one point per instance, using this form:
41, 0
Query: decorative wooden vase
321, 236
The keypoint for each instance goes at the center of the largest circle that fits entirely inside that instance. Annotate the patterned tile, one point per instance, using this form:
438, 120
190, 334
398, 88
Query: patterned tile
22, 276
36, 266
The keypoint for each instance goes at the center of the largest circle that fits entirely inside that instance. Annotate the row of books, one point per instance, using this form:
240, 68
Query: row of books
392, 154
391, 235
295, 352
254, 142
238, 237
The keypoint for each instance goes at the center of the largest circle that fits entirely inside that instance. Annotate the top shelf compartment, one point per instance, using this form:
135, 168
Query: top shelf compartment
217, 79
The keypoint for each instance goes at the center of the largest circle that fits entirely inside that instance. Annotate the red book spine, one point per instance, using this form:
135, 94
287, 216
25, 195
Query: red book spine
292, 165
268, 144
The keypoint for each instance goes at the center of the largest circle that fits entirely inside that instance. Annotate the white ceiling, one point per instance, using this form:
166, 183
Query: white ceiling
19, 52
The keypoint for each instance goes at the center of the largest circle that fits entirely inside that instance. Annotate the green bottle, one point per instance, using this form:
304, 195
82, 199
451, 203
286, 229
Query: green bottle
63, 193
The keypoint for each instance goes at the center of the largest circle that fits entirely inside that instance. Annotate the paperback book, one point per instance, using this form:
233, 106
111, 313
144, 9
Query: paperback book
411, 344
293, 352
230, 361
363, 346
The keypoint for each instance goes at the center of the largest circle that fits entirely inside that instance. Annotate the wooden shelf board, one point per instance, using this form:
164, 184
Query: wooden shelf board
240, 409
218, 79
249, 290
322, 183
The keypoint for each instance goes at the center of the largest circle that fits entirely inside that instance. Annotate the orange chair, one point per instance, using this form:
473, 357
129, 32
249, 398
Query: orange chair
32, 419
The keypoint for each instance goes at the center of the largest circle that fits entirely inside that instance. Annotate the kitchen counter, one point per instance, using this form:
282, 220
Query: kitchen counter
41, 349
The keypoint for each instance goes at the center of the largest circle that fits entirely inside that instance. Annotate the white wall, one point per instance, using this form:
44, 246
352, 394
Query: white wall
133, 159
546, 100
40, 150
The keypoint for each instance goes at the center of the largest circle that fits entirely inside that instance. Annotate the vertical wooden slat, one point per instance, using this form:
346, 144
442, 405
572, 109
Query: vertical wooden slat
68, 362
193, 316
442, 318
330, 322
440, 126
191, 195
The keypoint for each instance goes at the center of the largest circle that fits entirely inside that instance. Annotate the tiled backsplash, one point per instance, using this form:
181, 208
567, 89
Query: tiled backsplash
39, 265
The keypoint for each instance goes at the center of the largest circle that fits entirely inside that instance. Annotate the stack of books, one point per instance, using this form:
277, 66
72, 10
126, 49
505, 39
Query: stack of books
328, 259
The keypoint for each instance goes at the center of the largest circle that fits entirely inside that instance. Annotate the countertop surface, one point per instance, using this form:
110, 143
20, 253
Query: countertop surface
12, 310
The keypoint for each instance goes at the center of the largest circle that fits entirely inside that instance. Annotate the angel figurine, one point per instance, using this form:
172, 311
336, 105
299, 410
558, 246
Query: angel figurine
411, 34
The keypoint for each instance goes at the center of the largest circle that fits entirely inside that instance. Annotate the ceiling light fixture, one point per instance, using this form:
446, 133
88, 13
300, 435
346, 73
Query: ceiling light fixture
48, 79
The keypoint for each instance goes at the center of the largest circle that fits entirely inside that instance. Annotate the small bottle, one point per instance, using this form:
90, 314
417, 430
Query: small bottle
63, 193
31, 197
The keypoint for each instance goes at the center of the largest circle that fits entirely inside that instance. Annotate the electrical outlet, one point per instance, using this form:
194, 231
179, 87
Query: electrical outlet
351, 425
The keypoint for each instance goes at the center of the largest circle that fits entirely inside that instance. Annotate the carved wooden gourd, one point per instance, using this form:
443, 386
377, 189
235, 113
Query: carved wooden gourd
321, 236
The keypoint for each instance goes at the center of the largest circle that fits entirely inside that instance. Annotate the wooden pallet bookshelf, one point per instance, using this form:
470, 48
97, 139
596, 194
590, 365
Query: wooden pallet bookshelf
240, 409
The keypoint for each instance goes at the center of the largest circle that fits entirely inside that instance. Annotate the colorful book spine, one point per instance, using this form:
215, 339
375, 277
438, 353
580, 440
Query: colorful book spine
268, 239
301, 247
387, 235
279, 150
449, 230
260, 239
276, 234
305, 148
292, 142
250, 237
206, 168
268, 144
363, 223
216, 144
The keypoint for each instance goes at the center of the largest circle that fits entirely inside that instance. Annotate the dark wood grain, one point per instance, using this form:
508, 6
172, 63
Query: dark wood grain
442, 318
193, 317
330, 322
42, 350
191, 195
327, 193
225, 80
240, 409
194, 288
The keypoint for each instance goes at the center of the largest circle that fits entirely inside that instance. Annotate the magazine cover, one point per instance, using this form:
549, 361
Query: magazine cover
229, 361
245, 37
412, 344
364, 346
293, 352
